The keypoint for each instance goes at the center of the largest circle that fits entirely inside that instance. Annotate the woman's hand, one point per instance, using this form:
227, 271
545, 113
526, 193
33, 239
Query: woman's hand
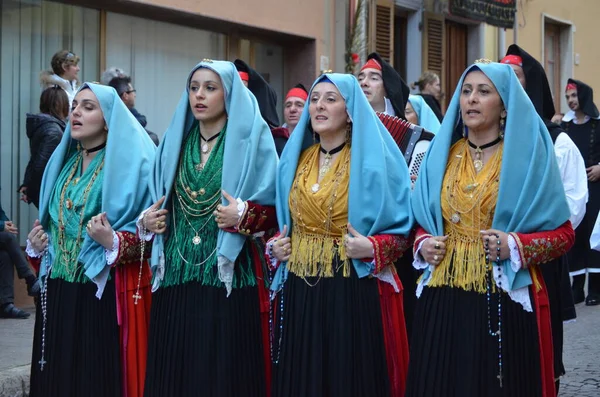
10, 227
492, 240
433, 249
155, 219
282, 248
99, 229
357, 245
37, 237
227, 216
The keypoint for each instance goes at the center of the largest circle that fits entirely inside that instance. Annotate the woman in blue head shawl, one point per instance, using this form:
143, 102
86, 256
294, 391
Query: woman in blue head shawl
346, 204
91, 326
418, 112
491, 209
214, 185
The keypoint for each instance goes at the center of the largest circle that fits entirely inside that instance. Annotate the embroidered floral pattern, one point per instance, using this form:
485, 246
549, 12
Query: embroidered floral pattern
129, 248
388, 249
538, 248
250, 223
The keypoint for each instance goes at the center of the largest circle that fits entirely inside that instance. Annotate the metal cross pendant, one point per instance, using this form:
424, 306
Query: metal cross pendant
136, 297
499, 376
42, 362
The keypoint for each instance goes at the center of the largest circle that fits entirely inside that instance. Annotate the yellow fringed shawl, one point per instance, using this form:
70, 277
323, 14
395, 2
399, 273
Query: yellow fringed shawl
319, 218
470, 197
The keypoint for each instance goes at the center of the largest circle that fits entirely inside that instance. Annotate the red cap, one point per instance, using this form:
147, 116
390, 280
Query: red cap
571, 86
298, 93
371, 64
512, 60
244, 76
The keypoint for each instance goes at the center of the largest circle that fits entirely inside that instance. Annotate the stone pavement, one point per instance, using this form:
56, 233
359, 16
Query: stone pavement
16, 338
581, 355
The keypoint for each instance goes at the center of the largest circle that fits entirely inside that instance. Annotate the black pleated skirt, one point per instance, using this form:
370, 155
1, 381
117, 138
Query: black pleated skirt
203, 343
82, 343
332, 342
453, 355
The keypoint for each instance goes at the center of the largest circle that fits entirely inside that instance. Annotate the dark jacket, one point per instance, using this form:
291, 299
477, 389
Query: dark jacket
140, 117
3, 218
44, 133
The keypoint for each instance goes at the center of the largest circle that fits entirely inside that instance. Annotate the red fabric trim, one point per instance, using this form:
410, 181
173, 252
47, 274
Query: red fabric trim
420, 235
133, 325
280, 132
512, 60
244, 76
298, 93
35, 263
371, 64
257, 219
395, 337
571, 86
388, 249
542, 247
263, 298
542, 311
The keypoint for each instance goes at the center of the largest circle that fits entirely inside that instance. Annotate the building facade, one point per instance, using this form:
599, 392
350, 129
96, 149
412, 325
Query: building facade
157, 42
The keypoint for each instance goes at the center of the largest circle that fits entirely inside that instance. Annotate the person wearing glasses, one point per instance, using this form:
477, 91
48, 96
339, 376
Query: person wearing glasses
122, 84
64, 73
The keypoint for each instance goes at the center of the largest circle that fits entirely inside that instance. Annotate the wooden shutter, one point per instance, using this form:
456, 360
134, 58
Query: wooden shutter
433, 43
382, 29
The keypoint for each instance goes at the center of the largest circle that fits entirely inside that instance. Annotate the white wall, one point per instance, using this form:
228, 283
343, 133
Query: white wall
159, 57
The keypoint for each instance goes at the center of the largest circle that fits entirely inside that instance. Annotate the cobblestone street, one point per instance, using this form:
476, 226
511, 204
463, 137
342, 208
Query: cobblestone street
582, 354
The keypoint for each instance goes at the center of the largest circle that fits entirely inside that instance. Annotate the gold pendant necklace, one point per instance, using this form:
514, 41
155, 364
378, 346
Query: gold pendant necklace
478, 161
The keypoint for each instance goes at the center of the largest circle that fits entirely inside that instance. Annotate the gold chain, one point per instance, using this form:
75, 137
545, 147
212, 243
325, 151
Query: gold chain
70, 256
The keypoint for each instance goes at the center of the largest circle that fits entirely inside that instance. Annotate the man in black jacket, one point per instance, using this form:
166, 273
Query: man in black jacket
125, 90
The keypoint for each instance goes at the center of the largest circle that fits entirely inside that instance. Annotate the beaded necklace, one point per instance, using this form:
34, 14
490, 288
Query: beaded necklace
70, 256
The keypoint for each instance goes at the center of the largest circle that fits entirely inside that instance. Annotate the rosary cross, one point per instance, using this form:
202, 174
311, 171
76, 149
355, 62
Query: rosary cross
499, 376
136, 297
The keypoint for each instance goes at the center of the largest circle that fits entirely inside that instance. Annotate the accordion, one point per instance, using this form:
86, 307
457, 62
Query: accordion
412, 140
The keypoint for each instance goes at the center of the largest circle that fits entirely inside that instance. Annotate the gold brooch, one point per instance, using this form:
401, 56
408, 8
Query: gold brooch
207, 60
326, 71
483, 60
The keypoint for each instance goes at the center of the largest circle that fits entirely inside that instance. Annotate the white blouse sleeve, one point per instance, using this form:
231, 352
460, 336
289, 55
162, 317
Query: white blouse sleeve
573, 175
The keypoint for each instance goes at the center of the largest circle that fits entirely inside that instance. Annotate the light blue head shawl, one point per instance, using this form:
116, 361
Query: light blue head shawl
127, 170
427, 119
249, 162
379, 192
531, 196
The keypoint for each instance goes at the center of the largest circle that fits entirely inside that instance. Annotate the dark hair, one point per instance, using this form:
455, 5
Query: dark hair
55, 102
61, 58
120, 84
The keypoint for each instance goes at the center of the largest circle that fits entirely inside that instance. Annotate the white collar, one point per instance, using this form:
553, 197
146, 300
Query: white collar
389, 109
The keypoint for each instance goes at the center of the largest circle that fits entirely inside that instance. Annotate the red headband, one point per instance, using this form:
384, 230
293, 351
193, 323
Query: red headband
244, 76
571, 86
298, 93
371, 64
512, 60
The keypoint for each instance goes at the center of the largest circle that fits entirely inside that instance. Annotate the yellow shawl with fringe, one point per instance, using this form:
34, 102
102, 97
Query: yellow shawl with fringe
319, 216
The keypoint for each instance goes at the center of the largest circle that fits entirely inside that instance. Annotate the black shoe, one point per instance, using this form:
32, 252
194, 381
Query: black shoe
11, 311
34, 288
592, 300
578, 295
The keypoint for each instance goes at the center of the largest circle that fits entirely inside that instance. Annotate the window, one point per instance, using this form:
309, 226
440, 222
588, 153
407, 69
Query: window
552, 55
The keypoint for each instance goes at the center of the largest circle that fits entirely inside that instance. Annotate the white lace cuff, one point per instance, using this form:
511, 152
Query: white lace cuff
32, 252
418, 262
515, 255
241, 207
141, 229
113, 253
